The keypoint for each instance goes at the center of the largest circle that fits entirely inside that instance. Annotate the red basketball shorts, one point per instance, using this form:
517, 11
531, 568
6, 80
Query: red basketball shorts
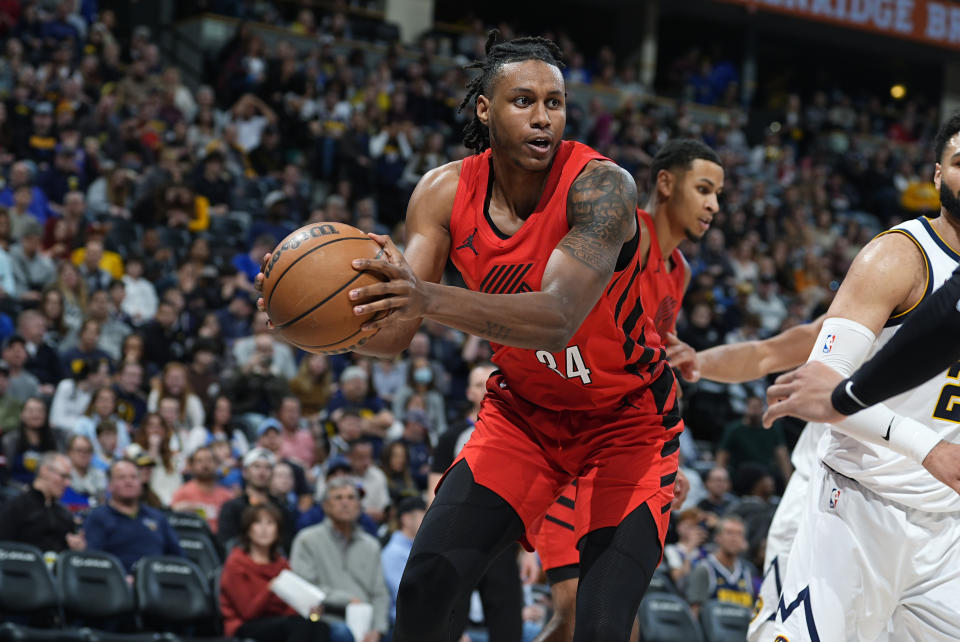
620, 457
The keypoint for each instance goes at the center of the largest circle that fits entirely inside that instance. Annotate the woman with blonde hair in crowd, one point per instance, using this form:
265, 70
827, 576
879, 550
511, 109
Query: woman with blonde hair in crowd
313, 385
73, 289
174, 381
103, 405
155, 437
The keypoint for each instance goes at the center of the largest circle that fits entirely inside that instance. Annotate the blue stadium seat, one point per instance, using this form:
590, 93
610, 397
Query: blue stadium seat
724, 622
667, 618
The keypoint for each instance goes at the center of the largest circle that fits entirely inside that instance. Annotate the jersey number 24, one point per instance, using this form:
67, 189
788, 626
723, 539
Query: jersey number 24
575, 367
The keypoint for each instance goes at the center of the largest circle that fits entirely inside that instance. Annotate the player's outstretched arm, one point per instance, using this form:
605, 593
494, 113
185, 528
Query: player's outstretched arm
601, 209
748, 360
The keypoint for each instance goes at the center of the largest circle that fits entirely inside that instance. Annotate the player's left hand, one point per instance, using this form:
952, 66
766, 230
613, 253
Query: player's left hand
529, 567
683, 357
681, 487
402, 295
804, 393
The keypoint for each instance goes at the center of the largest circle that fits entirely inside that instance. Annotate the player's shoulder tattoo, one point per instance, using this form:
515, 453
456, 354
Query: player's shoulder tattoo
601, 208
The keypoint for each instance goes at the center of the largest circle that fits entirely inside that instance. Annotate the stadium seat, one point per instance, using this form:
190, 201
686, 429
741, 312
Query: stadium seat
667, 618
26, 586
661, 582
15, 633
724, 622
188, 524
93, 586
198, 547
173, 595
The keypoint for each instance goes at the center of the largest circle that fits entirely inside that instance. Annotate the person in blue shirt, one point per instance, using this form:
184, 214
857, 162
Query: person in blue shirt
21, 174
394, 556
125, 527
249, 264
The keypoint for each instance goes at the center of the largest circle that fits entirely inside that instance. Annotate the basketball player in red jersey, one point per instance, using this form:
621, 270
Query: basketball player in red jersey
545, 233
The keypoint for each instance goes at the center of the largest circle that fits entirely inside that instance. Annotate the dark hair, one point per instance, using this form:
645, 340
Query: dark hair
949, 129
250, 515
476, 136
48, 439
680, 154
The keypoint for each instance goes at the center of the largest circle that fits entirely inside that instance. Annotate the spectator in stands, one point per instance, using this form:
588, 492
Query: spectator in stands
32, 270
74, 291
376, 493
91, 271
221, 426
254, 388
131, 404
103, 407
84, 345
37, 517
343, 561
747, 441
258, 466
250, 609
88, 484
21, 175
9, 406
52, 308
355, 392
140, 299
42, 359
112, 330
416, 439
202, 494
681, 556
248, 264
269, 436
767, 306
21, 384
174, 382
395, 463
24, 447
755, 486
296, 442
156, 438
313, 384
719, 499
73, 396
723, 575
420, 382
410, 513
106, 445
282, 362
235, 319
163, 337
125, 527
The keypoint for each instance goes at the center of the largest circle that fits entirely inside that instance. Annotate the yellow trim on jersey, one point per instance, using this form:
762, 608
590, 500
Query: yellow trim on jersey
926, 261
930, 221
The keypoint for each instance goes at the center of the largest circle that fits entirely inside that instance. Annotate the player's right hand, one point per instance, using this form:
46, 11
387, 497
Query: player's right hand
943, 462
258, 284
804, 393
683, 357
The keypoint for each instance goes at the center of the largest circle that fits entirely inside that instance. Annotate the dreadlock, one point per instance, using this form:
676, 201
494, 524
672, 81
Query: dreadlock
476, 136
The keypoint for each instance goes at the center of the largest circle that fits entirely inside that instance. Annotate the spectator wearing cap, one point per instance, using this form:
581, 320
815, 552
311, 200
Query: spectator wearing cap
354, 392
42, 359
140, 296
83, 346
9, 406
270, 436
342, 560
73, 395
21, 384
276, 222
146, 464
410, 514
377, 492
126, 527
254, 387
202, 494
37, 517
282, 362
32, 270
39, 145
21, 175
257, 470
23, 447
416, 439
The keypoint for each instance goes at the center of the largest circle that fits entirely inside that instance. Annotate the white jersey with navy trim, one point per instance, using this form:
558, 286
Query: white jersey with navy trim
935, 403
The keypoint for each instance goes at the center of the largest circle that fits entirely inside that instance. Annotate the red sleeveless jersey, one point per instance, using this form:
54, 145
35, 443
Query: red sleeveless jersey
661, 287
610, 355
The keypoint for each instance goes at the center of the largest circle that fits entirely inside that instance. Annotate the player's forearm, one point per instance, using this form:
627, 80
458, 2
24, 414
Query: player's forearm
532, 320
732, 363
927, 344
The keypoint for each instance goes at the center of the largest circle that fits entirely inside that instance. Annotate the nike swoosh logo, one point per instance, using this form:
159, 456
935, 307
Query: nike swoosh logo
886, 437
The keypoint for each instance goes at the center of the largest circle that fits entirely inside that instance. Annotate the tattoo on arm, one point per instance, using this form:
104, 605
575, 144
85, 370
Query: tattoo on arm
497, 331
601, 207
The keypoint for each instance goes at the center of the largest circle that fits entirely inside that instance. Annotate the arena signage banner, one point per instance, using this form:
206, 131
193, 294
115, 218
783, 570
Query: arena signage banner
934, 22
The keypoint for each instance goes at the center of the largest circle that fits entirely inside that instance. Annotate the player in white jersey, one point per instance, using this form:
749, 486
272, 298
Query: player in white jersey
879, 546
747, 361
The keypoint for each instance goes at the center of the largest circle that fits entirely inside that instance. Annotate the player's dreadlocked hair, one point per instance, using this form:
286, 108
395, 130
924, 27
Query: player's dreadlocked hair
475, 134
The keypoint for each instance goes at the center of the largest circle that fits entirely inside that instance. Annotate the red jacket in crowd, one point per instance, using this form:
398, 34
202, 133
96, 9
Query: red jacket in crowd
245, 593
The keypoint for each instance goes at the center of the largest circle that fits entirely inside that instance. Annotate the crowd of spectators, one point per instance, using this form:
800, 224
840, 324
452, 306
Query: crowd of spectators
137, 376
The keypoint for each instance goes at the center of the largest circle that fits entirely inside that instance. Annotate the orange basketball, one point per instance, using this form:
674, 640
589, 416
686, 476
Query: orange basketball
307, 283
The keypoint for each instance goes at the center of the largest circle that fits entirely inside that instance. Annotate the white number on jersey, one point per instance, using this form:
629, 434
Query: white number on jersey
575, 366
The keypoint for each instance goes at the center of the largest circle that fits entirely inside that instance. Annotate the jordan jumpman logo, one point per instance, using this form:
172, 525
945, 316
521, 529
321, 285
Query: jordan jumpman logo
468, 244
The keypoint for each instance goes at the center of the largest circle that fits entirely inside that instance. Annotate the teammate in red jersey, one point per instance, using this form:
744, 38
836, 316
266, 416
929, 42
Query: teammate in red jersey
545, 233
686, 180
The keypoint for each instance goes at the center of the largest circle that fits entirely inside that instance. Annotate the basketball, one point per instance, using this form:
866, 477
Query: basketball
307, 282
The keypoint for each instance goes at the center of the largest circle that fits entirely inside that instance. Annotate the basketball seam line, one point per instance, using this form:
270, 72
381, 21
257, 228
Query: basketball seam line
329, 296
305, 255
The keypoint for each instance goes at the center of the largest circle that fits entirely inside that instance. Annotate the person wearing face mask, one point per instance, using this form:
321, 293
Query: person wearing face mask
420, 381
